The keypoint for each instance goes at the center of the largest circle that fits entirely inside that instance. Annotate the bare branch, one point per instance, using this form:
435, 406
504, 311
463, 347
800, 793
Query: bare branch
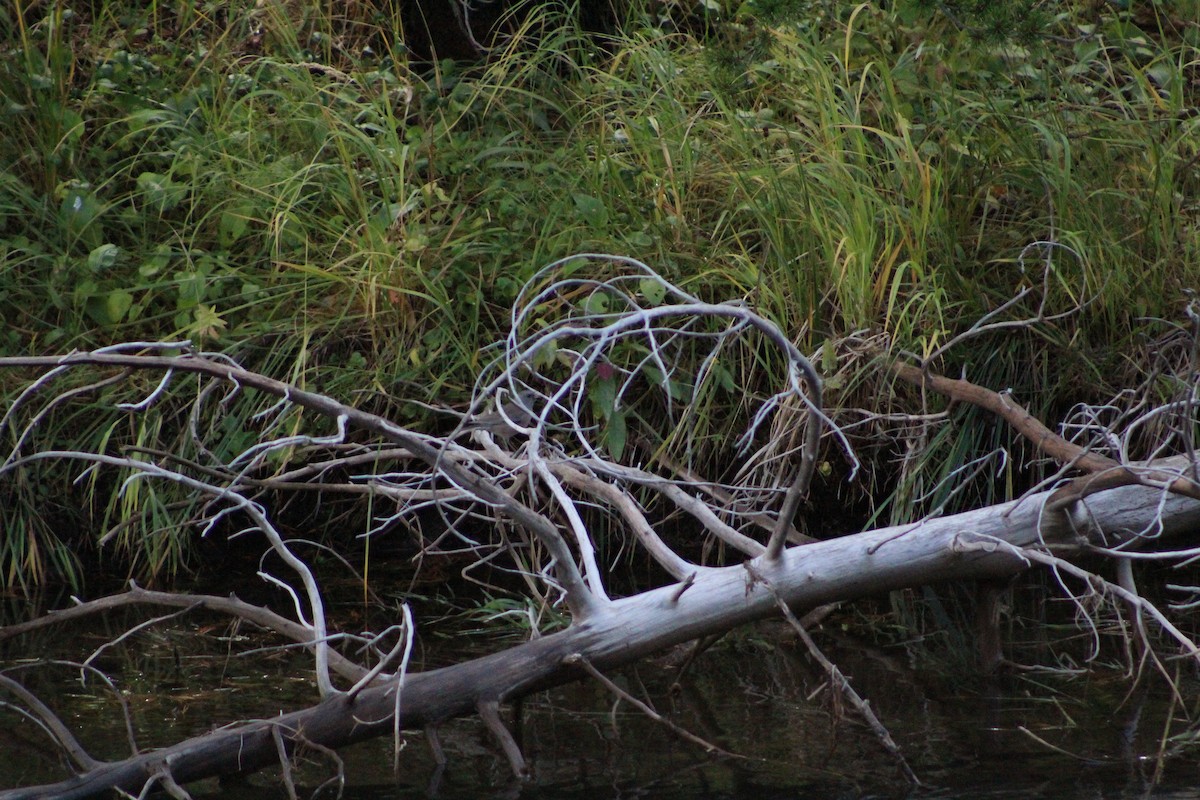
490, 714
1135, 601
1108, 473
576, 659
50, 722
838, 679
578, 597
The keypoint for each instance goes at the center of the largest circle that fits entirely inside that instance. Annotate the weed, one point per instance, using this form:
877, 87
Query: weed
280, 183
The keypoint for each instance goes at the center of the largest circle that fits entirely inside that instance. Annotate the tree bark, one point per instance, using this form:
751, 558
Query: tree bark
981, 543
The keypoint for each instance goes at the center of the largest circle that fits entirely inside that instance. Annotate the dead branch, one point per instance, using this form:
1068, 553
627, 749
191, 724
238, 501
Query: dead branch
578, 660
1105, 473
489, 712
547, 426
232, 606
48, 721
839, 681
719, 599
577, 595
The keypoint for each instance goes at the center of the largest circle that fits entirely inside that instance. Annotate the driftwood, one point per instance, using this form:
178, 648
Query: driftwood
978, 544
537, 487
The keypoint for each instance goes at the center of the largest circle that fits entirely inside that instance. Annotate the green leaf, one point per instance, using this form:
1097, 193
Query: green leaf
592, 209
161, 193
676, 389
79, 207
597, 304
207, 323
724, 377
544, 357
569, 268
233, 224
103, 257
191, 288
72, 125
85, 290
639, 240
157, 262
616, 433
654, 291
828, 357
604, 397
109, 309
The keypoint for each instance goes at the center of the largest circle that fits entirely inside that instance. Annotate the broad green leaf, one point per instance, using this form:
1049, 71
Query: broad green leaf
676, 389
604, 397
544, 357
654, 291
157, 262
572, 266
103, 257
72, 125
724, 377
79, 207
680, 390
207, 323
109, 309
592, 209
233, 224
828, 357
639, 240
191, 288
597, 304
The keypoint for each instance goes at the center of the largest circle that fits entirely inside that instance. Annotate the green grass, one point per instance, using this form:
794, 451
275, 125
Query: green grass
259, 181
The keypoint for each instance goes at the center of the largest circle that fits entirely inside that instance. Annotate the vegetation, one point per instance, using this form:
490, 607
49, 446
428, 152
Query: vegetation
280, 183
276, 232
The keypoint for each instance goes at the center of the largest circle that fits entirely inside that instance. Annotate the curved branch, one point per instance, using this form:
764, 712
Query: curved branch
136, 595
319, 639
54, 726
1107, 473
579, 599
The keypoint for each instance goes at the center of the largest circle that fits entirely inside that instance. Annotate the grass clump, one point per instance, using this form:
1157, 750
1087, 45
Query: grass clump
281, 183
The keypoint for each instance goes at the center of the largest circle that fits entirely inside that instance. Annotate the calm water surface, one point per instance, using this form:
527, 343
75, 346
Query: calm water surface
755, 694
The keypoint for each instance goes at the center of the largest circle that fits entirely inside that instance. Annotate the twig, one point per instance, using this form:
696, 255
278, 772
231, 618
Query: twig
581, 601
54, 726
578, 659
168, 783
435, 744
489, 712
285, 763
1135, 601
683, 587
227, 605
1061, 751
838, 679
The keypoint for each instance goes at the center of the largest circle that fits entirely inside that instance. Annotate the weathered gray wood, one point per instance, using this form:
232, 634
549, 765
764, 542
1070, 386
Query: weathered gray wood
719, 599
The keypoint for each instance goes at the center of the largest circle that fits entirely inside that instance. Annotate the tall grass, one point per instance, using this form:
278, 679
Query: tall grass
277, 181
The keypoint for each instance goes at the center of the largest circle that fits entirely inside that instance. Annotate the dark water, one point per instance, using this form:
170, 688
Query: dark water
755, 694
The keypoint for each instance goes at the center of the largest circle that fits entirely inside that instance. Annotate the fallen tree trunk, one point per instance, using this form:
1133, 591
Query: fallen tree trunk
977, 544
544, 498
